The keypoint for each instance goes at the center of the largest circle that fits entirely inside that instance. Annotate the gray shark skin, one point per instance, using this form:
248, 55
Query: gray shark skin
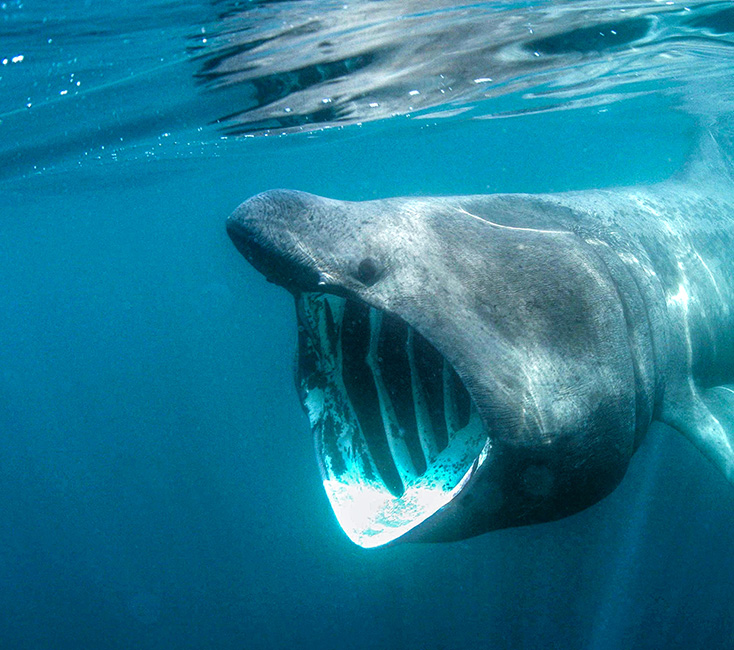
472, 363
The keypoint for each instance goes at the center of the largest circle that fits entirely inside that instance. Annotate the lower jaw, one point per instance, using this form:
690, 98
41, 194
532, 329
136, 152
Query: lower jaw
396, 433
371, 517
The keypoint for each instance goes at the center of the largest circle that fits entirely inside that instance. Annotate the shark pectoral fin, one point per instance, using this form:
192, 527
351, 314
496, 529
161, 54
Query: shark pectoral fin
707, 420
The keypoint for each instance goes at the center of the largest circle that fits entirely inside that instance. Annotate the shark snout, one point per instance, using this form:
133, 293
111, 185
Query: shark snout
261, 230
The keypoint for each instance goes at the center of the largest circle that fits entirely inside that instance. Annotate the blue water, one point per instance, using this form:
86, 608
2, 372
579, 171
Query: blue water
158, 486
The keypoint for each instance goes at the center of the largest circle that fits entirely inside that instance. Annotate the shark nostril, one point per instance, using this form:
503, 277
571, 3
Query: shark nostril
368, 272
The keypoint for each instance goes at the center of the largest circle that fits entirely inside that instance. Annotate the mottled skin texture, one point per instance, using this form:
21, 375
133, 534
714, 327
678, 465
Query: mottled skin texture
574, 320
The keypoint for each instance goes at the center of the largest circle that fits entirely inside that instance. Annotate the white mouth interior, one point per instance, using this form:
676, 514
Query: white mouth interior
396, 432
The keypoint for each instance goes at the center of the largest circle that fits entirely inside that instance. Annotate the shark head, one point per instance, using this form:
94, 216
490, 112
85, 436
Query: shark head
464, 362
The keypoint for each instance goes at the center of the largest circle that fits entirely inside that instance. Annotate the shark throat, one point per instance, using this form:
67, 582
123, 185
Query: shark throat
396, 431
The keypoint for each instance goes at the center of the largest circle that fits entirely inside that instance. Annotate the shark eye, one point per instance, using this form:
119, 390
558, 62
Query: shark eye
368, 272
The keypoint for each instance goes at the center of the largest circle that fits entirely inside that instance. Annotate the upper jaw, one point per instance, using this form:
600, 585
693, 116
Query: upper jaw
275, 253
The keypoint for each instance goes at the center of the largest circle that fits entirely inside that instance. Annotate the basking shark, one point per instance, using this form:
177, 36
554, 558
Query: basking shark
471, 363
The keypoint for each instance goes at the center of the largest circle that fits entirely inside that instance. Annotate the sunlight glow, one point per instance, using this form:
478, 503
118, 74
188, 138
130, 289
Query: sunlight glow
371, 516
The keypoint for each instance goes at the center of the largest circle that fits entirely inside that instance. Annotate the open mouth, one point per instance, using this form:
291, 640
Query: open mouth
397, 433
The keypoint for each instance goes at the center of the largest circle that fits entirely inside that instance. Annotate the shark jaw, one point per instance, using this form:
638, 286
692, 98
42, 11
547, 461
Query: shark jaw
397, 434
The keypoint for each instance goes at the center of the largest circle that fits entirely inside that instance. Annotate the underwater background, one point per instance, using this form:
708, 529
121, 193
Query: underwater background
158, 484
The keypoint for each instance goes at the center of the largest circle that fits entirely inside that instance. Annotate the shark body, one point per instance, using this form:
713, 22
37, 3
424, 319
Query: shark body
472, 363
